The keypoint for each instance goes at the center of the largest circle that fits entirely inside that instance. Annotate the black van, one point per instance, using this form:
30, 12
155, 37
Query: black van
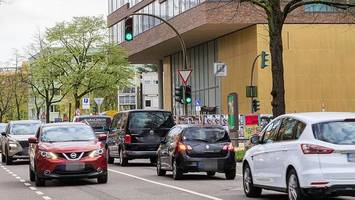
137, 134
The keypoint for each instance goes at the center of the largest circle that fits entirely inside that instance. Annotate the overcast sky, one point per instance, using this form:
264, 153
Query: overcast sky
20, 20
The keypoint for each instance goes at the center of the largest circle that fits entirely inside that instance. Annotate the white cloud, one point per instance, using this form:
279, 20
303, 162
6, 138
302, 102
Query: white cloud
20, 20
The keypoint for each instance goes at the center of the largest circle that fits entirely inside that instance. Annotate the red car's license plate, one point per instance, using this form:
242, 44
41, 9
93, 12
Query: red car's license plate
74, 166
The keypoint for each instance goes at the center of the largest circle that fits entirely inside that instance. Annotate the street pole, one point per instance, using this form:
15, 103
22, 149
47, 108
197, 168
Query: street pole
251, 80
182, 44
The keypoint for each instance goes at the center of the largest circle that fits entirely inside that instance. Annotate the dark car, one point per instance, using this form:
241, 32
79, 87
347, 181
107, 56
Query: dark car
100, 124
194, 148
137, 134
67, 151
14, 142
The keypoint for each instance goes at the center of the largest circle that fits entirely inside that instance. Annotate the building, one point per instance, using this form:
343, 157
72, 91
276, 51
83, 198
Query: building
318, 52
150, 90
128, 96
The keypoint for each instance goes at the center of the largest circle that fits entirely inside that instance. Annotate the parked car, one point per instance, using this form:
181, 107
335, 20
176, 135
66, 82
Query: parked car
2, 130
100, 124
137, 134
304, 155
14, 141
67, 150
192, 148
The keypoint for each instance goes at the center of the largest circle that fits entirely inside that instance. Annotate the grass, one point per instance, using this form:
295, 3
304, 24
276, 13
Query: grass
239, 155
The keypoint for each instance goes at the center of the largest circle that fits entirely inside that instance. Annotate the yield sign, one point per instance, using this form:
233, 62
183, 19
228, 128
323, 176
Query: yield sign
185, 75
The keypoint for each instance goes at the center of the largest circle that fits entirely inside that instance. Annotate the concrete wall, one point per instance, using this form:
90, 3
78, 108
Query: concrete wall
167, 99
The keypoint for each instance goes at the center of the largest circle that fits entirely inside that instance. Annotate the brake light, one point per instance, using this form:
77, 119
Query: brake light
315, 149
228, 147
181, 147
127, 139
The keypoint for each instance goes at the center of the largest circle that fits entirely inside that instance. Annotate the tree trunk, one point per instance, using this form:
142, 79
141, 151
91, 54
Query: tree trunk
18, 109
48, 106
1, 117
276, 51
77, 102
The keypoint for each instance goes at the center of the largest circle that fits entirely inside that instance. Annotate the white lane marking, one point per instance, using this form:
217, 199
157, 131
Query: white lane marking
27, 184
239, 175
32, 188
46, 198
14, 174
17, 177
22, 181
166, 185
39, 193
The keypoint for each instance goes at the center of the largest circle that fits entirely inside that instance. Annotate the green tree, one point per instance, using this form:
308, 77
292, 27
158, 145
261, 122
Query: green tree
277, 12
6, 94
89, 62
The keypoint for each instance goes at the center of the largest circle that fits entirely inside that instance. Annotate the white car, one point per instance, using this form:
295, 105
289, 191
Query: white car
304, 155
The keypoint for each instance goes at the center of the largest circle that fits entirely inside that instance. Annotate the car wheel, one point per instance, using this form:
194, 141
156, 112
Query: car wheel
123, 161
160, 172
211, 174
32, 174
153, 161
110, 160
249, 189
177, 173
102, 179
230, 174
2, 158
39, 181
8, 159
293, 187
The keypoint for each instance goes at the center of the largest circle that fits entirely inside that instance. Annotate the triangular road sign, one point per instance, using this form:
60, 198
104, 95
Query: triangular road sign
185, 75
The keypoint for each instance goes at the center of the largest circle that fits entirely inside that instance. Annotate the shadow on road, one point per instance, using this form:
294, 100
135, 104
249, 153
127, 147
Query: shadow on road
70, 182
197, 177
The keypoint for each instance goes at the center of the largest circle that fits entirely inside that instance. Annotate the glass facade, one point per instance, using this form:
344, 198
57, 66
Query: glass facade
319, 8
204, 84
166, 10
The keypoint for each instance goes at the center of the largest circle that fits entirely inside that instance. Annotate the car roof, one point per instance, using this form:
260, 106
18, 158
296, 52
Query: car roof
25, 122
145, 110
198, 126
93, 116
318, 117
64, 124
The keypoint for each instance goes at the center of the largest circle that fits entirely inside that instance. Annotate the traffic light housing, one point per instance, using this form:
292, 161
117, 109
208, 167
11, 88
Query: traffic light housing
256, 105
179, 94
264, 59
128, 29
188, 95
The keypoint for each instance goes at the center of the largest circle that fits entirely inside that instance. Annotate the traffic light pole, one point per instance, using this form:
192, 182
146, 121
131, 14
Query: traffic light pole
183, 48
251, 80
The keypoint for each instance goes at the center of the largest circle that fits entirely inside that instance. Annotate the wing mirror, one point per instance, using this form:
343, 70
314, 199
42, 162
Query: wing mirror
102, 137
32, 140
3, 134
255, 139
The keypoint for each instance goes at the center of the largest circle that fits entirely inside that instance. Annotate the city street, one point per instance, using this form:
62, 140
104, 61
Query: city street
137, 181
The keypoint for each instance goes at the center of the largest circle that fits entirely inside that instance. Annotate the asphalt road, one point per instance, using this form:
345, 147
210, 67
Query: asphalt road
136, 181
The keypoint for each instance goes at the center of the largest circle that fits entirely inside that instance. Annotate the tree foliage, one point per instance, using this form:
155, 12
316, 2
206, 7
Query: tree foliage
87, 60
277, 12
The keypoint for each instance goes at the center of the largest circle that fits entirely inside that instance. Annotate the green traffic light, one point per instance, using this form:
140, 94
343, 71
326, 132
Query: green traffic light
128, 36
188, 100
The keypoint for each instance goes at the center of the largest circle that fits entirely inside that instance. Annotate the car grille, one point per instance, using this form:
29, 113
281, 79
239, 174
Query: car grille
78, 155
24, 144
60, 169
208, 155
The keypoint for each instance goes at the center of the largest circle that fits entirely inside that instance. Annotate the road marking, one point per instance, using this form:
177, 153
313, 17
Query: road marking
27, 184
33, 188
166, 185
22, 181
39, 193
46, 198
17, 177
14, 174
239, 175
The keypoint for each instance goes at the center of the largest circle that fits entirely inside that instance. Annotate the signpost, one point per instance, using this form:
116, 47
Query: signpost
220, 69
184, 75
99, 102
86, 103
233, 113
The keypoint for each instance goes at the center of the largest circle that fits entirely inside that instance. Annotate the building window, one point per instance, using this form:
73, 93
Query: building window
319, 8
148, 103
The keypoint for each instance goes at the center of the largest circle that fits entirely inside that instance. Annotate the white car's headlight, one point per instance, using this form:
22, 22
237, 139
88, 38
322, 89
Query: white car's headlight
96, 153
13, 145
48, 155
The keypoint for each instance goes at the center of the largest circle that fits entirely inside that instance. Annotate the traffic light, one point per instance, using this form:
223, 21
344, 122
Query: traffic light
179, 94
256, 105
188, 97
264, 59
128, 29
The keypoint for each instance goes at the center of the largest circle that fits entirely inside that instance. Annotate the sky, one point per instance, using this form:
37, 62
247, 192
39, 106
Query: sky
21, 20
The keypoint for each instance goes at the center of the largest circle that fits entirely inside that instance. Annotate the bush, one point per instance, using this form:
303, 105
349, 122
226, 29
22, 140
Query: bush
239, 155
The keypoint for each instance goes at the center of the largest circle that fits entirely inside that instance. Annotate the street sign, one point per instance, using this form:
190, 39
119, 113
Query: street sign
185, 75
99, 101
251, 120
198, 109
220, 69
197, 102
86, 103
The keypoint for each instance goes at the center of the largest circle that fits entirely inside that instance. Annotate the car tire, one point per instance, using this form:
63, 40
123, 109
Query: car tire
160, 172
210, 174
249, 189
123, 161
2, 158
110, 160
153, 161
8, 159
230, 174
39, 181
177, 172
31, 174
102, 179
294, 190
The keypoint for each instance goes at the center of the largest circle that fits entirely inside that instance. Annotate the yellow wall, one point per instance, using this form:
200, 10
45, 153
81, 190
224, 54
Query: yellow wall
319, 67
237, 50
167, 83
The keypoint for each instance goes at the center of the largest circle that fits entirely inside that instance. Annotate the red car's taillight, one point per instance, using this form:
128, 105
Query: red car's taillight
228, 147
315, 149
127, 139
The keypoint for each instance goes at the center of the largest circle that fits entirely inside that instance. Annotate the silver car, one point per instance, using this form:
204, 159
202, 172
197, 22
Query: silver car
14, 141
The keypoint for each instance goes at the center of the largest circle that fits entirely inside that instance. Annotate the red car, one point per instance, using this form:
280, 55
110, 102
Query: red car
67, 151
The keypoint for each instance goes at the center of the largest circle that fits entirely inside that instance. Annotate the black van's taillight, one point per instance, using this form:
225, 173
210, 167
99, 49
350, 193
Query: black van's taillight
127, 139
